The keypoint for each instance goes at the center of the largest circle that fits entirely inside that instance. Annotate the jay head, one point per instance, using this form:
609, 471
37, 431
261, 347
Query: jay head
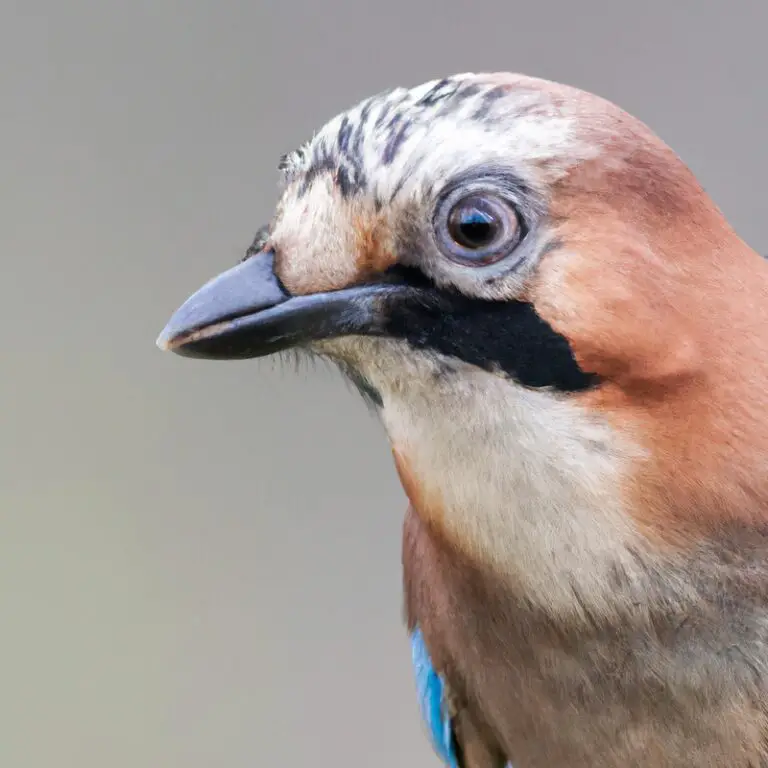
567, 345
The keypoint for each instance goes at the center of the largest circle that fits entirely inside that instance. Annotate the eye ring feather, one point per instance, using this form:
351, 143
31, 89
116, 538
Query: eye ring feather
477, 228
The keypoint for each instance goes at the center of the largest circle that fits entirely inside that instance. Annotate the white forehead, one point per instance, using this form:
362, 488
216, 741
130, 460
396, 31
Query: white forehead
404, 139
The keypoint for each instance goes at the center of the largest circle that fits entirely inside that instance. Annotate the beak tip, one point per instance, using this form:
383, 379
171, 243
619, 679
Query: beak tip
248, 287
164, 341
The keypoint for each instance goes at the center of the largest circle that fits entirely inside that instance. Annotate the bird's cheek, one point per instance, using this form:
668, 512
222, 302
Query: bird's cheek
637, 360
621, 318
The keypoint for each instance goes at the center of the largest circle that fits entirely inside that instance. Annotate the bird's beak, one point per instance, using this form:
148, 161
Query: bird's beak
245, 312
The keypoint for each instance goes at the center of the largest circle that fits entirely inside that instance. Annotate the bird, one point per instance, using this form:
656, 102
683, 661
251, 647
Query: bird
566, 343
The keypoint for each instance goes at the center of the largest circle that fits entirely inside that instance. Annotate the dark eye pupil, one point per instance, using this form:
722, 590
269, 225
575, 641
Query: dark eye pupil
472, 227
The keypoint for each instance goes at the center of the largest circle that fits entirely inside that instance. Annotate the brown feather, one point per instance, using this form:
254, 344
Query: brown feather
590, 571
665, 688
659, 296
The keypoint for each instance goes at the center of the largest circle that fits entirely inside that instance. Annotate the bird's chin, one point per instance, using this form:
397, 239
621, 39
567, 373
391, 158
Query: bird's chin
357, 351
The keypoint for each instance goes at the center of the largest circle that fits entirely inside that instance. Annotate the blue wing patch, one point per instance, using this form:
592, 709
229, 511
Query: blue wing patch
430, 689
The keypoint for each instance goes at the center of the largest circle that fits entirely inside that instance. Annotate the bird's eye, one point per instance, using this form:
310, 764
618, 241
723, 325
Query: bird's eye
478, 229
472, 226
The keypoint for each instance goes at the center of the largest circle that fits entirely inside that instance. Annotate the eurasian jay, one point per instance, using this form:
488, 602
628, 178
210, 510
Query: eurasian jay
567, 345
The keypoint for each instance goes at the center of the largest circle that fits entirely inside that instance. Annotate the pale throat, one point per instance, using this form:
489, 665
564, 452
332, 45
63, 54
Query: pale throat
525, 481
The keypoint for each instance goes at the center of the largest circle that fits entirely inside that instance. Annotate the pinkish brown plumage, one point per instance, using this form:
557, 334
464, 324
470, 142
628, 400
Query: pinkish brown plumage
566, 343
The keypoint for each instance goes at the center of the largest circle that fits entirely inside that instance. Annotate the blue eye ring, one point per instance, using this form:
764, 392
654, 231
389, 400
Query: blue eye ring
478, 229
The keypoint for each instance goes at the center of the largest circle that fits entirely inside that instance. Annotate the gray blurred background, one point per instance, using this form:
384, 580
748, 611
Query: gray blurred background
199, 562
